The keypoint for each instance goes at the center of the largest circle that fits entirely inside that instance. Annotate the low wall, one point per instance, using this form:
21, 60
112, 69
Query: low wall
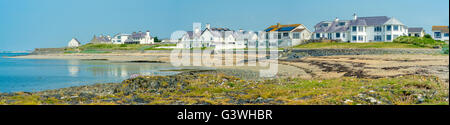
298, 53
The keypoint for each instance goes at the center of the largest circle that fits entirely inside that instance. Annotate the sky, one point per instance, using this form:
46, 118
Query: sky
29, 24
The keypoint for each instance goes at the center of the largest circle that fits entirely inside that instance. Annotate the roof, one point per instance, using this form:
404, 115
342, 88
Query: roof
74, 40
370, 21
343, 25
415, 29
138, 35
441, 28
101, 39
335, 26
288, 27
393, 21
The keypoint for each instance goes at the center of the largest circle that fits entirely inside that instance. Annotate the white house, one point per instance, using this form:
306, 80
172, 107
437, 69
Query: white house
287, 35
440, 33
73, 43
361, 29
218, 38
416, 31
134, 38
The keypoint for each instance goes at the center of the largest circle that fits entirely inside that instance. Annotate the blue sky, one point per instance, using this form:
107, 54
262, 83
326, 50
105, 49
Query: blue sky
29, 24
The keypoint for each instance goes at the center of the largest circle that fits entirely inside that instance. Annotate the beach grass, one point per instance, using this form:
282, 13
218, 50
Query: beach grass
219, 89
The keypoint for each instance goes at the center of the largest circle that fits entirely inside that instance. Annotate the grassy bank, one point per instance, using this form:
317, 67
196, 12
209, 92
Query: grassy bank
123, 47
225, 90
357, 45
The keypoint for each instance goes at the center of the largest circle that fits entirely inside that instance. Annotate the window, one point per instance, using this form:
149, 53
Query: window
341, 23
388, 37
279, 36
317, 35
378, 38
354, 38
118, 37
353, 28
361, 29
285, 34
388, 28
377, 29
338, 35
395, 28
296, 36
360, 38
343, 35
329, 36
118, 41
445, 34
437, 34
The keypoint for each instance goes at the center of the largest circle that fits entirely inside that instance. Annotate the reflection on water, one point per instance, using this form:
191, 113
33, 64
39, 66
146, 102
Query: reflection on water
37, 75
73, 67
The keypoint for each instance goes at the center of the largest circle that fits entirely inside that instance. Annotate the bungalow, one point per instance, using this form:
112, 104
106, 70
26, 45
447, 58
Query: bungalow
440, 33
416, 31
288, 35
134, 38
361, 29
74, 43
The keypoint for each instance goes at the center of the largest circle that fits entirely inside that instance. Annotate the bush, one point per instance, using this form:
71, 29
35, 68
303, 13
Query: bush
420, 41
427, 36
445, 49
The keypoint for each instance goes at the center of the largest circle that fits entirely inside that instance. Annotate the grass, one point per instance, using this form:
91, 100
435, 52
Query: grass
112, 46
219, 89
357, 45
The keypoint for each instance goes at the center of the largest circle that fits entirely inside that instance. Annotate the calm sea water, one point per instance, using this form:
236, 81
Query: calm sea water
36, 75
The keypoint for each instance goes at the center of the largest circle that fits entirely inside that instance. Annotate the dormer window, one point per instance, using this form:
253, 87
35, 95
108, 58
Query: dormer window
341, 23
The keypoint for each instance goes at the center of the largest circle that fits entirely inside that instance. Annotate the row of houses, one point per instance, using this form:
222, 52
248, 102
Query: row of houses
120, 38
355, 30
224, 38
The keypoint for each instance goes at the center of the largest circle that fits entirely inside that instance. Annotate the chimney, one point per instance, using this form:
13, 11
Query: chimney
336, 20
147, 33
278, 25
241, 30
208, 26
355, 16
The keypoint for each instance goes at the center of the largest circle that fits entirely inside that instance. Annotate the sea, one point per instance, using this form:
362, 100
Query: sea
32, 75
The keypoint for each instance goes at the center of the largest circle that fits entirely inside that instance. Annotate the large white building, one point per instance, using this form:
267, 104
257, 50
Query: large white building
440, 33
361, 29
218, 38
134, 38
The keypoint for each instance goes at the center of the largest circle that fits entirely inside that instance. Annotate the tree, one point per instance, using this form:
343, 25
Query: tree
157, 40
427, 36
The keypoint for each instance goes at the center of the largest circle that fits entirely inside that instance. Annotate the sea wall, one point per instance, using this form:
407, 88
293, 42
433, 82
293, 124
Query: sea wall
299, 53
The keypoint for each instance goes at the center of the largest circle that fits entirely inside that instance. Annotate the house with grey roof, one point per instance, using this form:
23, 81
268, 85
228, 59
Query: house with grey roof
218, 38
101, 40
361, 29
134, 38
416, 31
